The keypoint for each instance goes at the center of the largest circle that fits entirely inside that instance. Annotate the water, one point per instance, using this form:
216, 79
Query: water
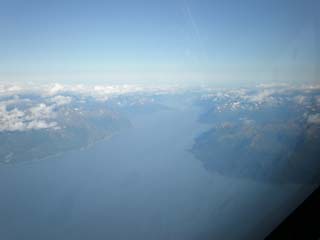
141, 184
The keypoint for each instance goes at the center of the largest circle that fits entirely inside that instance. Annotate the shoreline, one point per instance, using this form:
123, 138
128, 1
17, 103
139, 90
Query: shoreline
60, 153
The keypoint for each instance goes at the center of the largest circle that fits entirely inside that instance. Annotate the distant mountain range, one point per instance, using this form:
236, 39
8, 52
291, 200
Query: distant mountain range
268, 134
37, 123
265, 133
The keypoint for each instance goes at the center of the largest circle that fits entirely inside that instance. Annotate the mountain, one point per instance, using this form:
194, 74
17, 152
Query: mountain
40, 121
270, 135
74, 128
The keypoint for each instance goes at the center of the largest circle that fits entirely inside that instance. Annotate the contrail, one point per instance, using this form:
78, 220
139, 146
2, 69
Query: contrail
191, 18
196, 33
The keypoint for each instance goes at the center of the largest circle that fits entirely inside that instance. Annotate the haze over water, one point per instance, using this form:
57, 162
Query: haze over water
143, 183
74, 72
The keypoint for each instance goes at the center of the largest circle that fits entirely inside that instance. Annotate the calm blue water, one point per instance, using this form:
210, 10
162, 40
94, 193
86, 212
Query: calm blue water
141, 184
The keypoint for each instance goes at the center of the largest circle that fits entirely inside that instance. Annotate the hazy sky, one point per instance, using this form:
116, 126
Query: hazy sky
160, 41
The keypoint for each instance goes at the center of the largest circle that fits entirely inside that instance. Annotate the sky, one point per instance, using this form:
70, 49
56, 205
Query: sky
155, 42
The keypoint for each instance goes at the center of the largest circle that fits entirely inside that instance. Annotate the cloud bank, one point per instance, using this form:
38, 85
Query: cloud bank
32, 106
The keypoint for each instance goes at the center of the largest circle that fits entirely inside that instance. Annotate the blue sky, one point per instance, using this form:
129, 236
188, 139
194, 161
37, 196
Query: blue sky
146, 42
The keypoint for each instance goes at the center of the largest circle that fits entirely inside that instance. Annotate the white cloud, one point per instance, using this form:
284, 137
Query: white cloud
40, 124
19, 114
300, 99
273, 85
314, 118
11, 120
39, 116
40, 111
61, 100
56, 88
317, 99
264, 96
